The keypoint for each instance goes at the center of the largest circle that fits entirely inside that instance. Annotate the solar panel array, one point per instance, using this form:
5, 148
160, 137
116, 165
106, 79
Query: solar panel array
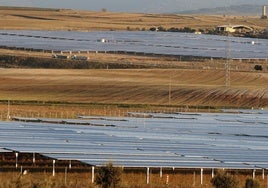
181, 140
186, 44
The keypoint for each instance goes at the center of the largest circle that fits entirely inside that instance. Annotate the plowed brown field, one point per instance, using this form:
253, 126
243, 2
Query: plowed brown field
143, 86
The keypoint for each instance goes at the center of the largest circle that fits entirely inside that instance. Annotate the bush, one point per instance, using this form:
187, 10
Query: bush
152, 29
258, 67
173, 29
160, 28
251, 183
108, 176
188, 30
224, 180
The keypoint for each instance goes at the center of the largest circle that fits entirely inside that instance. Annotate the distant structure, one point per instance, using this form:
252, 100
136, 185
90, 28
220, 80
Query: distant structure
233, 28
264, 15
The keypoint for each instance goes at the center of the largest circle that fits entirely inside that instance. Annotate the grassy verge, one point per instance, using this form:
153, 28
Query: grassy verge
183, 178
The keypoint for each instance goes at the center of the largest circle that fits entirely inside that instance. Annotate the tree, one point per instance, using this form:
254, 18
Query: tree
251, 183
224, 180
108, 176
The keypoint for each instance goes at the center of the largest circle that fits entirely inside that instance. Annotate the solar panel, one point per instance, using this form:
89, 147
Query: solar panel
186, 44
205, 140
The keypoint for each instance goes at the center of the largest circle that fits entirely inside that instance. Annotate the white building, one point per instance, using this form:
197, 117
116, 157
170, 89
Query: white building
234, 28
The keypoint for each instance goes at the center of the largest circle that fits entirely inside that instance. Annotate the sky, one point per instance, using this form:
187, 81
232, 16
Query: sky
142, 6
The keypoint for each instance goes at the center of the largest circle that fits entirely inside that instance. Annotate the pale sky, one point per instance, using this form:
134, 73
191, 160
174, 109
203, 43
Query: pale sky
146, 6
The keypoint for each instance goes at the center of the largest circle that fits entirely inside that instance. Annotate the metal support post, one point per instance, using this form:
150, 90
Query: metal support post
16, 154
148, 175
201, 177
92, 174
53, 170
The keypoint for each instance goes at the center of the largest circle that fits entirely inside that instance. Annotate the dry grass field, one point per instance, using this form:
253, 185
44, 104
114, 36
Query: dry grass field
65, 19
183, 178
40, 174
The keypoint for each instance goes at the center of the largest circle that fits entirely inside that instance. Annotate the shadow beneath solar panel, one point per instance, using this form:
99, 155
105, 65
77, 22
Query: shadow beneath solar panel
100, 118
44, 37
246, 122
253, 136
60, 121
73, 39
240, 135
176, 115
215, 133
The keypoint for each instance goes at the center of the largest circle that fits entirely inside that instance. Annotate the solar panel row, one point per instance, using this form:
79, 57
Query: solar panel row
186, 44
218, 140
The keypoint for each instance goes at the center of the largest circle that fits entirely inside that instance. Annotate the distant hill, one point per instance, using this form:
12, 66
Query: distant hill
250, 10
27, 8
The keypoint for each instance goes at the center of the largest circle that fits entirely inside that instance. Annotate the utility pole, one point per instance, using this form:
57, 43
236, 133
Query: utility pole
227, 51
8, 110
227, 69
169, 91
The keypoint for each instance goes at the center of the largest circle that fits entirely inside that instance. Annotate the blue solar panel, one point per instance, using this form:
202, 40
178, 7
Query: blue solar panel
148, 42
207, 140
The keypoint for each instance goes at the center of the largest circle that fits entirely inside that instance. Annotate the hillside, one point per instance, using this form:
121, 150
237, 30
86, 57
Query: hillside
239, 10
63, 19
